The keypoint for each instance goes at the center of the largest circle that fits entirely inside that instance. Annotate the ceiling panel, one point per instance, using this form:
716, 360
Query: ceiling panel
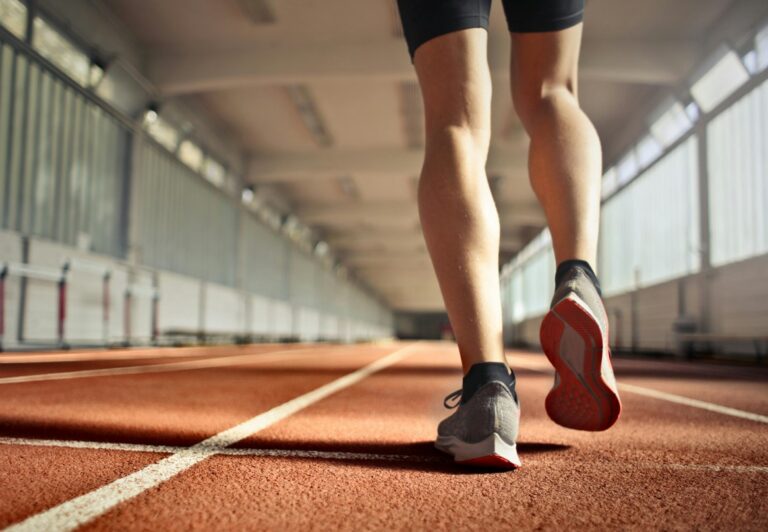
264, 118
386, 188
180, 25
360, 113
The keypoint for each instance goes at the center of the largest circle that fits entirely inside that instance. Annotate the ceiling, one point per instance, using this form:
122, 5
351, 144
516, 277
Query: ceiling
322, 99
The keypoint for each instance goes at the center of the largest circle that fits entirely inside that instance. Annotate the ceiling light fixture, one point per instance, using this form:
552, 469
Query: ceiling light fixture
247, 195
304, 103
258, 11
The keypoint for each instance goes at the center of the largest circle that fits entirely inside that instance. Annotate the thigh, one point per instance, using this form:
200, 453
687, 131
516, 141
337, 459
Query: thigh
546, 40
424, 20
545, 60
529, 16
455, 80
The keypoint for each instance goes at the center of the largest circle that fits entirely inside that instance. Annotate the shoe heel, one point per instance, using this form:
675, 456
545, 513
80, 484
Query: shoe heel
493, 451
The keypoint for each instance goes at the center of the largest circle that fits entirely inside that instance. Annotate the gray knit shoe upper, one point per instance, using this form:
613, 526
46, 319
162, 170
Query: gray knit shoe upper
492, 409
576, 281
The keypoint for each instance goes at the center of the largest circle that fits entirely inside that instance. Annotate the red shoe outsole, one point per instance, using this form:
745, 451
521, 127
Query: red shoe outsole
491, 461
581, 401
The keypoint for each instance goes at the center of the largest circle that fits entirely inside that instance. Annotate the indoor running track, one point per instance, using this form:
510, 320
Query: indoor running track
324, 436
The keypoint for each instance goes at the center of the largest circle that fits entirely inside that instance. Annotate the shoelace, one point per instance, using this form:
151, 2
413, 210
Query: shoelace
451, 397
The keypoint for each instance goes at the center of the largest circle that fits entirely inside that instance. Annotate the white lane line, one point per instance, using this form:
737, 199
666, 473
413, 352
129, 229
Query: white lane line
717, 468
107, 355
664, 396
358, 456
78, 511
704, 405
94, 445
200, 363
170, 449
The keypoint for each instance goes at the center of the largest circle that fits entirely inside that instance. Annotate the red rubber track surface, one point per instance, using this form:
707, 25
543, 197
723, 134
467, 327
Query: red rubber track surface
662, 466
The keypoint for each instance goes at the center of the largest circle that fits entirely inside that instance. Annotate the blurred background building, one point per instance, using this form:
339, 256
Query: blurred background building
181, 169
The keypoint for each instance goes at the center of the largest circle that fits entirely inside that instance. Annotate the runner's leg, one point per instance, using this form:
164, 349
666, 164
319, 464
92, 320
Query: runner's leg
565, 157
457, 211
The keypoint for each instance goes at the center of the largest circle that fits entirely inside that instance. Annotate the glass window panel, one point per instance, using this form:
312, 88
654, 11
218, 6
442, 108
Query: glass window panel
650, 229
214, 172
693, 112
737, 168
161, 131
610, 183
191, 155
647, 151
750, 62
13, 15
48, 219
76, 169
29, 140
98, 164
6, 90
61, 51
671, 125
87, 177
16, 141
761, 47
719, 82
64, 173
538, 282
627, 168
46, 142
199, 222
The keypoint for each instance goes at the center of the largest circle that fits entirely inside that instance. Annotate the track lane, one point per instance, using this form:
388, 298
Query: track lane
67, 514
739, 387
12, 373
36, 478
653, 470
662, 466
133, 353
168, 408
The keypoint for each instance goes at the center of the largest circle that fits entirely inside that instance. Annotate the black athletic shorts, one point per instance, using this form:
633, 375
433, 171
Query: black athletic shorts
426, 19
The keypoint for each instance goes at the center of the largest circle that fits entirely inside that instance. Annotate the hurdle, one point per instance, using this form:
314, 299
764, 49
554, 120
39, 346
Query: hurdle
131, 292
40, 273
105, 273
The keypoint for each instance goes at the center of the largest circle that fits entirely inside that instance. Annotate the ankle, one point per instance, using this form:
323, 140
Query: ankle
482, 373
567, 265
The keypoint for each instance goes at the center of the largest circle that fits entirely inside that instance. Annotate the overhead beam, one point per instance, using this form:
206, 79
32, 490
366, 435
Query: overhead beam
410, 241
319, 213
334, 212
376, 268
391, 263
385, 256
373, 162
646, 61
333, 163
412, 245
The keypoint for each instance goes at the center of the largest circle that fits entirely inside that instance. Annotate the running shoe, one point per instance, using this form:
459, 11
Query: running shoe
574, 336
482, 432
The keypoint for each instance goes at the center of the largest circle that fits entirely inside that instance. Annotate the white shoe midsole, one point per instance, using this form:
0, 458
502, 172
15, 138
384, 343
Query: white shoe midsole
492, 445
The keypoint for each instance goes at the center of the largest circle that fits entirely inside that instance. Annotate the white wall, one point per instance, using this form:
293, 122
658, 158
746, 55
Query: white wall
185, 304
737, 304
261, 315
181, 307
10, 251
224, 310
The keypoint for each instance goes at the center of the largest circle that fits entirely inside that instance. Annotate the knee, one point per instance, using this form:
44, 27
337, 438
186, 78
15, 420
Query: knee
532, 100
467, 142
